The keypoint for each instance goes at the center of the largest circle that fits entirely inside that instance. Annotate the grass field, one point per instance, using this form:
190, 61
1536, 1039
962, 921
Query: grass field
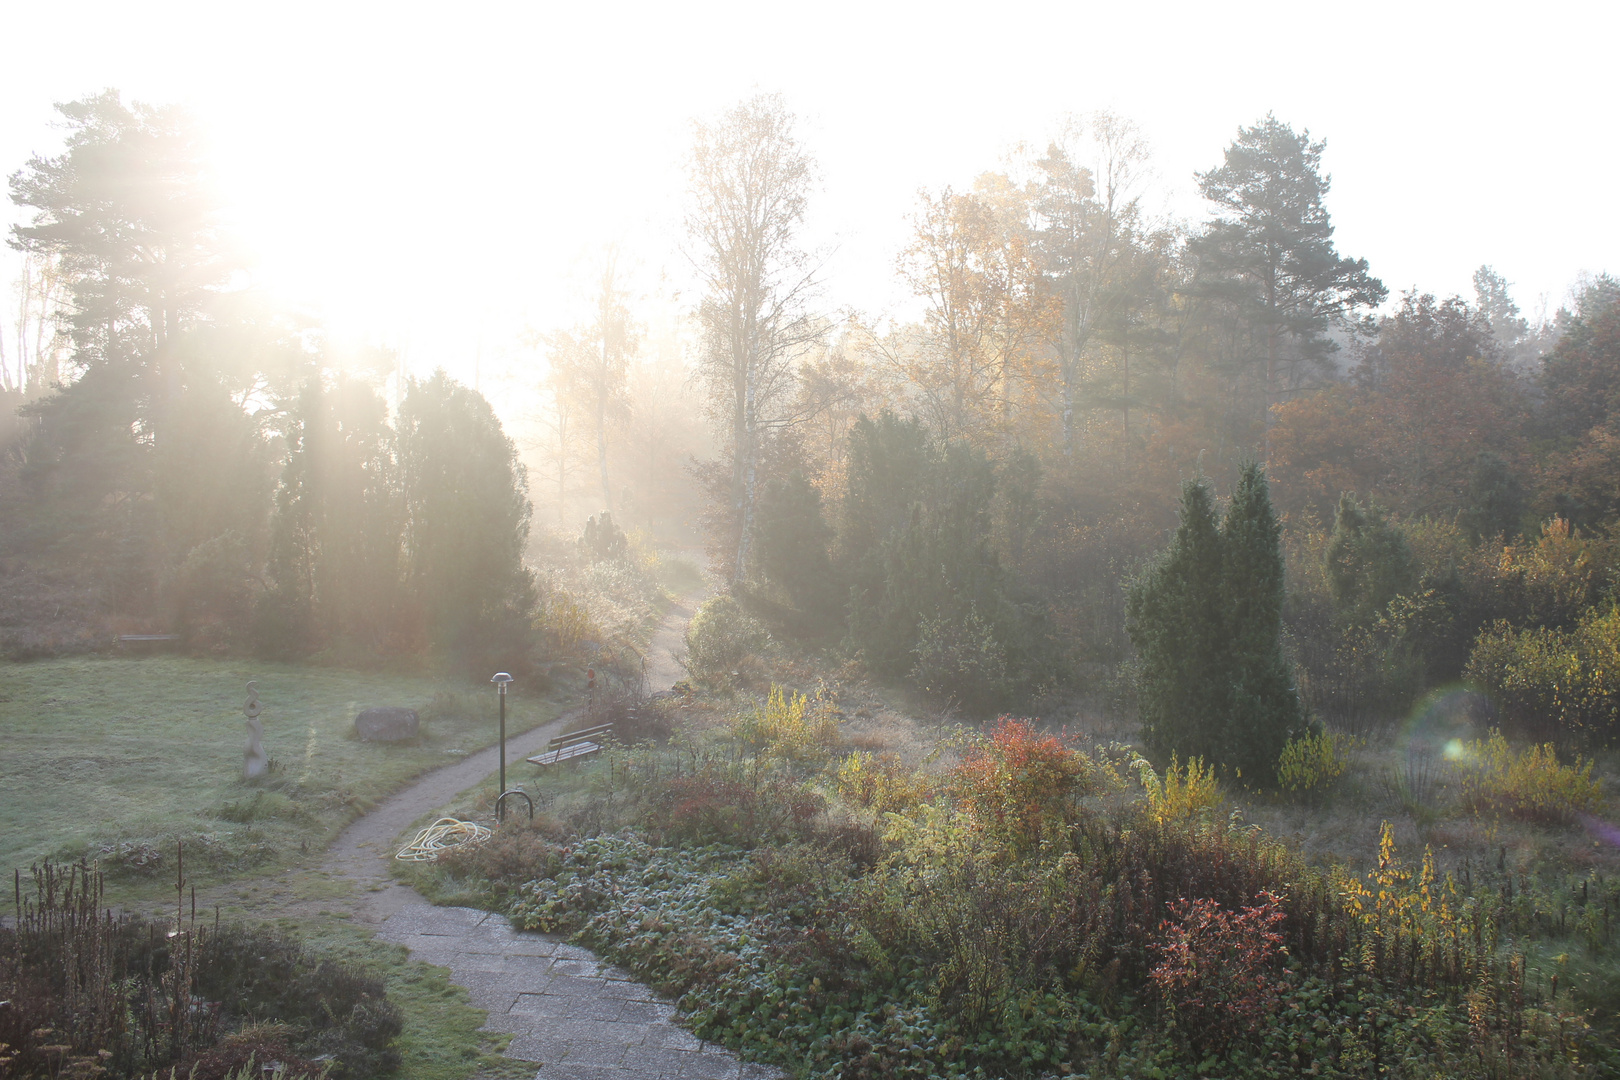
117, 759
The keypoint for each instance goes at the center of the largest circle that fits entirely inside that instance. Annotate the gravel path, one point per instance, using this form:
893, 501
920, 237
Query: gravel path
573, 1016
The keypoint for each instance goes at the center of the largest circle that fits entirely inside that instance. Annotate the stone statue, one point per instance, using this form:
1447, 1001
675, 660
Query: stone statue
255, 761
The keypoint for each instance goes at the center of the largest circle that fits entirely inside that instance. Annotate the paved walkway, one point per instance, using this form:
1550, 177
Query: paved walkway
573, 1016
576, 1017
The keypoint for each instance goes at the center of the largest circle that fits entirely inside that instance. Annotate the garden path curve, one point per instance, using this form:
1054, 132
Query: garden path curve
573, 1016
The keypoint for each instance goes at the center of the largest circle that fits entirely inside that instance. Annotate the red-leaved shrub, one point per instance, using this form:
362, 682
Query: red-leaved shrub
1214, 967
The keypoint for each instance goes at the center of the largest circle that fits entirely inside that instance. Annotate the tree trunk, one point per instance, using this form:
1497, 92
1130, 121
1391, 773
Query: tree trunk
746, 473
601, 449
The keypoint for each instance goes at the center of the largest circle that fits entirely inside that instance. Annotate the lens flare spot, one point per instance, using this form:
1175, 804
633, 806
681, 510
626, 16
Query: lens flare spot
1454, 751
1601, 830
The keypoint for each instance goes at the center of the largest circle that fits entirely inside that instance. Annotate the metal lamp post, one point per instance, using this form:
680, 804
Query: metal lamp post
501, 680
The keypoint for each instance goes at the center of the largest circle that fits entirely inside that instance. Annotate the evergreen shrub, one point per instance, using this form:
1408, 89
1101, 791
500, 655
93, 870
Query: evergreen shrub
929, 599
960, 661
1206, 621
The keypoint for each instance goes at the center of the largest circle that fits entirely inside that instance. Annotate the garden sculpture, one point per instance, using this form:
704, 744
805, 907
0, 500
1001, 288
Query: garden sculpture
255, 761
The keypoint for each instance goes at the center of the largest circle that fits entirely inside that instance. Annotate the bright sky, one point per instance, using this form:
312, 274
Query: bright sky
431, 176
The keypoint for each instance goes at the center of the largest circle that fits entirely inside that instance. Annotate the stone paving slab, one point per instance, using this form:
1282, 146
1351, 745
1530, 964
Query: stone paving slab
573, 1016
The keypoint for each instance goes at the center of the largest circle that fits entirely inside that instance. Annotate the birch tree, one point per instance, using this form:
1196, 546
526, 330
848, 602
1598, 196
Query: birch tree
750, 179
30, 350
1089, 208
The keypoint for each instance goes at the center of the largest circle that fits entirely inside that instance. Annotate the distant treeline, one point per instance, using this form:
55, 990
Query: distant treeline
1444, 470
961, 501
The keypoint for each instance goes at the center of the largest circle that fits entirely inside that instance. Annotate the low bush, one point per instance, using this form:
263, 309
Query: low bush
1017, 780
89, 993
1184, 791
1416, 781
710, 809
789, 728
619, 594
1550, 683
253, 1053
880, 782
1315, 761
1220, 971
331, 1011
566, 623
517, 851
283, 626
262, 805
1527, 784
721, 638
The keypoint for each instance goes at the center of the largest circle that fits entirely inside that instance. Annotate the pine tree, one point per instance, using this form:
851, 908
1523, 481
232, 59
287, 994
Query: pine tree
1267, 261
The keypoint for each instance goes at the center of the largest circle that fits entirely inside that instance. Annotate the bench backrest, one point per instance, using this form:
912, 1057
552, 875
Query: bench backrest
591, 734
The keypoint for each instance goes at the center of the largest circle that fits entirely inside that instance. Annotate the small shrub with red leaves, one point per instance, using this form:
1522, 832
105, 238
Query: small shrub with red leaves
1216, 969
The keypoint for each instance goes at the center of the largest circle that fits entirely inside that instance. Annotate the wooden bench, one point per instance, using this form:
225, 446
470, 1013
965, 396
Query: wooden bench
575, 744
146, 639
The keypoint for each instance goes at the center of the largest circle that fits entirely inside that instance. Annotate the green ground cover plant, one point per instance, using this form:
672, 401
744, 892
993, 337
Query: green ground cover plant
121, 757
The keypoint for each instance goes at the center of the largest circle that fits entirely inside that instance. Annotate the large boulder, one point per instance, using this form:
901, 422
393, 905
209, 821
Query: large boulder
387, 724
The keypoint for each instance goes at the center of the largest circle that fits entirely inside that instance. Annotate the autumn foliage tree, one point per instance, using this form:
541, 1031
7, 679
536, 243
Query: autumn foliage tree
1428, 399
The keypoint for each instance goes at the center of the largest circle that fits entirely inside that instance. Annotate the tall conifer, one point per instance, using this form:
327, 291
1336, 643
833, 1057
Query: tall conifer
1264, 705
1175, 622
1206, 621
